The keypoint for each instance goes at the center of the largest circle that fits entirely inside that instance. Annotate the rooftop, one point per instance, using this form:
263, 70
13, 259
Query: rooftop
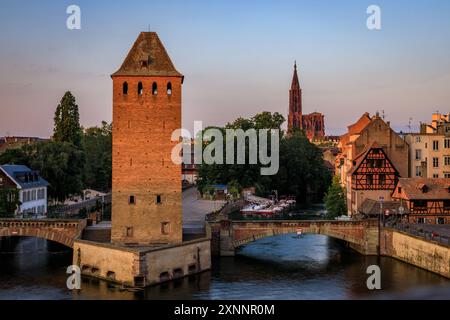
148, 57
23, 177
424, 188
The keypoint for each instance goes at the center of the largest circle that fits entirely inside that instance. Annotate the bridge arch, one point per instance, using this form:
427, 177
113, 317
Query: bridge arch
361, 235
61, 231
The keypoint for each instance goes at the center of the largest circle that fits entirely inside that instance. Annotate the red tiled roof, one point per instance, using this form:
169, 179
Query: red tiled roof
436, 188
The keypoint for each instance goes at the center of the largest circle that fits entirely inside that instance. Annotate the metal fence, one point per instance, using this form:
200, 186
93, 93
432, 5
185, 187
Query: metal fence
421, 232
74, 209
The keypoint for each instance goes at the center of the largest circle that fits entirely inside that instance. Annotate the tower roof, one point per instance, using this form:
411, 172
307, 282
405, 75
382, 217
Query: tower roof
295, 82
148, 57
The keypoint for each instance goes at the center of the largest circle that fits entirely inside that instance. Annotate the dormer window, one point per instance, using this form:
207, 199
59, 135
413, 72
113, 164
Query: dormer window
144, 63
154, 89
423, 187
169, 89
140, 89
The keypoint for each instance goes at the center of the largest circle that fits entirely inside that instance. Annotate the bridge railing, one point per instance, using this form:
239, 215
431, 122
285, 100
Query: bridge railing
76, 225
422, 233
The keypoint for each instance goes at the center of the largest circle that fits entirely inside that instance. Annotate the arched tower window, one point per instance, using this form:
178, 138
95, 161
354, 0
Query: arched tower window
140, 89
169, 89
125, 88
154, 89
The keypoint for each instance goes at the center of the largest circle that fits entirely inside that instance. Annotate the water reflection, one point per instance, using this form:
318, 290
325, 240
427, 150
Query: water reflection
281, 267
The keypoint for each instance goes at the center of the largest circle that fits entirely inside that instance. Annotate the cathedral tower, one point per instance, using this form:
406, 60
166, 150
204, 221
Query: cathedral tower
295, 118
146, 184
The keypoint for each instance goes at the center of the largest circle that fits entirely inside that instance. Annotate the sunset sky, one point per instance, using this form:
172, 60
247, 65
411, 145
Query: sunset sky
237, 58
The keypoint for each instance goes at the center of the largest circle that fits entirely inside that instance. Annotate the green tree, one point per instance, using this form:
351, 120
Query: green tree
20, 156
9, 201
67, 121
335, 200
61, 164
301, 173
97, 145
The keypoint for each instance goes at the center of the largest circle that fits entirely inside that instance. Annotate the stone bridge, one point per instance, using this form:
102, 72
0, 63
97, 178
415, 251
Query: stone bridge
229, 235
61, 231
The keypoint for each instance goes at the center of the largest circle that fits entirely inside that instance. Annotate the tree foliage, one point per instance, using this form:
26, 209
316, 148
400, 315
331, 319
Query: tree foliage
335, 199
301, 173
61, 164
73, 160
9, 201
67, 121
97, 145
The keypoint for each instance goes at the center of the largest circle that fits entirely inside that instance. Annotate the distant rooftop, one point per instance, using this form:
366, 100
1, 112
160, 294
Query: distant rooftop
23, 177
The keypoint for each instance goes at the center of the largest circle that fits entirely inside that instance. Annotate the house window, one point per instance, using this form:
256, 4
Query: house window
399, 190
169, 89
446, 175
369, 179
417, 139
125, 88
421, 220
129, 231
435, 175
435, 162
440, 220
158, 199
418, 154
418, 171
382, 180
154, 89
132, 200
447, 204
165, 228
380, 163
447, 161
447, 143
140, 89
420, 204
435, 145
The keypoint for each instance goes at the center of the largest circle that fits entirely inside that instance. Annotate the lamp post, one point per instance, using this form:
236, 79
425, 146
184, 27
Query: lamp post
379, 225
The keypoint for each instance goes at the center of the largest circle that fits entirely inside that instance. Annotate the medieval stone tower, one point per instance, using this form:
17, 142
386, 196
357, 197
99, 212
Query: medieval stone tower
146, 184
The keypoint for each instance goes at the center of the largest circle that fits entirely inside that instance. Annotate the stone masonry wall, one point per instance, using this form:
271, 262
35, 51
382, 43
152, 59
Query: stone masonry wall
422, 253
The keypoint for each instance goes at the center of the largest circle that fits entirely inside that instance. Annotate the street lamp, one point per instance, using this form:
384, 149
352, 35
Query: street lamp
379, 225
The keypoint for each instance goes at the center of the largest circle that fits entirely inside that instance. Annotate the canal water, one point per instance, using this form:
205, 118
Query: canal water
281, 267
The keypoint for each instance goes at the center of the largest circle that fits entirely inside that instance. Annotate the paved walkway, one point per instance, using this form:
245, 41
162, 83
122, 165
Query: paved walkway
195, 210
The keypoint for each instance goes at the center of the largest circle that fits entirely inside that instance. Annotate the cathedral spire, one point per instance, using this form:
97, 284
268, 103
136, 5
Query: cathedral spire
295, 82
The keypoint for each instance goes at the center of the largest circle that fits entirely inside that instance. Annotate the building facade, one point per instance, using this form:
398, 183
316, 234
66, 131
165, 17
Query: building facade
146, 186
429, 153
361, 136
31, 186
312, 124
17, 142
427, 200
373, 176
